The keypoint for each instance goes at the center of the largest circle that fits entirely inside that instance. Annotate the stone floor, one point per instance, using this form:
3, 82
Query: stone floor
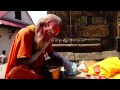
90, 58
3, 67
90, 55
2, 70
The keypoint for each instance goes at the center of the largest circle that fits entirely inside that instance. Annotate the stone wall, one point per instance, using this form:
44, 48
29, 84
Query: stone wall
87, 32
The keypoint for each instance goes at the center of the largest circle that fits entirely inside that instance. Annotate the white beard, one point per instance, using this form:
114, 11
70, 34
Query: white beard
41, 43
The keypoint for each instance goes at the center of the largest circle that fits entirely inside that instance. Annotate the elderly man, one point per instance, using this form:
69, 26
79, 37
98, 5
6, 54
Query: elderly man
26, 58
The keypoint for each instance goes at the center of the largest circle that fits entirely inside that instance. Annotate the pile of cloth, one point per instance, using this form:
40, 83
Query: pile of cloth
108, 68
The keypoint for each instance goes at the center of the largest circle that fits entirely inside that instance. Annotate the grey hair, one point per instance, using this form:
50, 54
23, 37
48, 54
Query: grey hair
49, 17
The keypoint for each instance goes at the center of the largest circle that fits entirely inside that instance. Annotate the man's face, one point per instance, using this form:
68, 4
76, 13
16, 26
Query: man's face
55, 29
50, 30
46, 33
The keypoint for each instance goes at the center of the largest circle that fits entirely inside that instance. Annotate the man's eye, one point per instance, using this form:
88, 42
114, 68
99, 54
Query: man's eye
46, 25
51, 33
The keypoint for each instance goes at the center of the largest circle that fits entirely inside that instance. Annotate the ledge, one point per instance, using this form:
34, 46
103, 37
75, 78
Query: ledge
76, 45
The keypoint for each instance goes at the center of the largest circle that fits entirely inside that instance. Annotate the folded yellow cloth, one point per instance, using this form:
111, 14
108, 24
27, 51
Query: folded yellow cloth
109, 67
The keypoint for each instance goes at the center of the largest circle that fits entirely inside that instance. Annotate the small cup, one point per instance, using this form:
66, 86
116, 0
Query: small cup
55, 72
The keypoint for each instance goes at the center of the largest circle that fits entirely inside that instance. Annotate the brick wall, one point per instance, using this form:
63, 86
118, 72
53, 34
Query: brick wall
85, 32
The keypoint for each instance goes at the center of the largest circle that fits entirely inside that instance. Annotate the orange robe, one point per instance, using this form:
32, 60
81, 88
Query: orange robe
22, 47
